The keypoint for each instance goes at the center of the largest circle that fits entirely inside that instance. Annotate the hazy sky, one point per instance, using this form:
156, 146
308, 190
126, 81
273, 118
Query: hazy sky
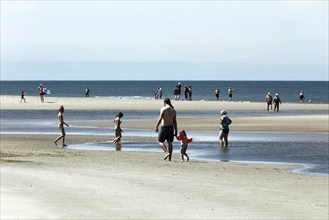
164, 40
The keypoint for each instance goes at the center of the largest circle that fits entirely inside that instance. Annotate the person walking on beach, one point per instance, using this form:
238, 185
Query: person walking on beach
22, 97
277, 102
168, 129
42, 94
87, 92
179, 87
269, 101
184, 140
158, 93
301, 96
224, 122
186, 92
230, 93
217, 93
177, 91
117, 128
190, 93
61, 124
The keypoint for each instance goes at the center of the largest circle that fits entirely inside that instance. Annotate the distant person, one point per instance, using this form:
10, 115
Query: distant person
190, 93
217, 92
168, 129
179, 87
117, 128
61, 124
23, 97
178, 91
87, 92
277, 102
159, 93
42, 94
184, 140
301, 96
186, 92
224, 122
269, 101
230, 93
156, 94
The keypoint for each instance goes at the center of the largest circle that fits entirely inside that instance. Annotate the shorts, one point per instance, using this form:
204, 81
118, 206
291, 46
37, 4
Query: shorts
117, 133
184, 146
166, 133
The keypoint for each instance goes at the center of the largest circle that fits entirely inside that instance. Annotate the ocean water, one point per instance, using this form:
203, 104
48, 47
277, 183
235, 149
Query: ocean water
309, 149
253, 91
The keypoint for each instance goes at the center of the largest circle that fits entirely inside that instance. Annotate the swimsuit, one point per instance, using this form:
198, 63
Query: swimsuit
166, 133
184, 146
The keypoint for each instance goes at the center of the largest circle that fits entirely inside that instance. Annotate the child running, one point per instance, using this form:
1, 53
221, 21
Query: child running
184, 144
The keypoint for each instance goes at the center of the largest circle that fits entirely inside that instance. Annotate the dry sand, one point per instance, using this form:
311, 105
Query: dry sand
41, 181
106, 103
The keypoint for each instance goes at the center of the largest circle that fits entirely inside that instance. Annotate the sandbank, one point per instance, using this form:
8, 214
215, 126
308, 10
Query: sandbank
270, 122
116, 103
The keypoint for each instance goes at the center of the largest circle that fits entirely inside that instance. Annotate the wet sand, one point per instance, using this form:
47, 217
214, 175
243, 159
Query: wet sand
41, 181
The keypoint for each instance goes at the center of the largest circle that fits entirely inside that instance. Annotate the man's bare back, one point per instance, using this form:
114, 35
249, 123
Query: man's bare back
168, 115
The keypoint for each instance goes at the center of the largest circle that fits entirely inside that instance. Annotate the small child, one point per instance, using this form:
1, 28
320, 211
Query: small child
184, 144
118, 131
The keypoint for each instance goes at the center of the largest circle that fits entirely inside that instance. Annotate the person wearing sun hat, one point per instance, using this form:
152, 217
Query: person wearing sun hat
277, 102
269, 101
224, 122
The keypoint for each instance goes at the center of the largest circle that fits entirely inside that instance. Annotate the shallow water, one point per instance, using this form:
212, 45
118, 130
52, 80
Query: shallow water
304, 148
309, 149
313, 156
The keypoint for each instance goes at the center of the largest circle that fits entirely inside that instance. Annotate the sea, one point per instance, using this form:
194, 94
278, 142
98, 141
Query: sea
309, 150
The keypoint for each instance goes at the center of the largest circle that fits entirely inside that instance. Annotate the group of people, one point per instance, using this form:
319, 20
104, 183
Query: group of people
158, 93
187, 92
168, 130
229, 92
270, 100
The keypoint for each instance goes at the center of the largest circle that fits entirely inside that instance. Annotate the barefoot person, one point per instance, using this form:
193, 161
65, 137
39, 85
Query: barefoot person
277, 102
168, 129
61, 124
23, 97
269, 101
224, 122
301, 96
42, 94
184, 140
117, 128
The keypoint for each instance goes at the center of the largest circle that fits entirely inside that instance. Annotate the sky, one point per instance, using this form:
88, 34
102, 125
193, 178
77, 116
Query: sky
164, 40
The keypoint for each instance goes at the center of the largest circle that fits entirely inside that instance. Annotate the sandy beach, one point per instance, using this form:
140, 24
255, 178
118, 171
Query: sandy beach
41, 181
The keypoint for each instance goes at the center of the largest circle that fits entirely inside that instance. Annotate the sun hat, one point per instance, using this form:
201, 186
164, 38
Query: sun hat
223, 112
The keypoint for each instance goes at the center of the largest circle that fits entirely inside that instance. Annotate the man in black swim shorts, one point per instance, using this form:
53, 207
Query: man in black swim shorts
168, 129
